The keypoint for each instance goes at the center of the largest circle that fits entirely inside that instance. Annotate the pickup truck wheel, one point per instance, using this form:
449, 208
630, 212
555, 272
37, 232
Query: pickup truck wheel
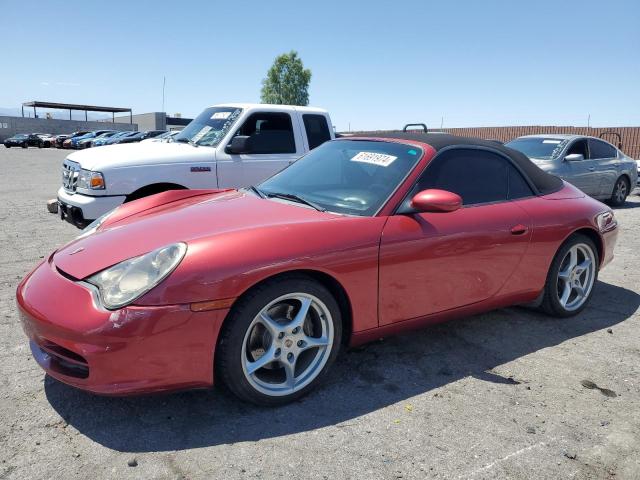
620, 192
279, 341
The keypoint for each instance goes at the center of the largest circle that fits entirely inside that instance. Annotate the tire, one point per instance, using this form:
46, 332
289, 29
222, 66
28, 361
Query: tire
620, 192
8, 146
300, 359
557, 303
24, 145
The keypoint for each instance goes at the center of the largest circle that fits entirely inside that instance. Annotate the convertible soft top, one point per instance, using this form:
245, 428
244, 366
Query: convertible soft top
544, 182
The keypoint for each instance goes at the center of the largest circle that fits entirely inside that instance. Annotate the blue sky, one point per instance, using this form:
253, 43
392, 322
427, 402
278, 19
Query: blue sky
375, 65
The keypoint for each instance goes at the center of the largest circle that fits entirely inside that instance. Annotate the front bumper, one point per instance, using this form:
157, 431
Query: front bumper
609, 240
80, 210
133, 350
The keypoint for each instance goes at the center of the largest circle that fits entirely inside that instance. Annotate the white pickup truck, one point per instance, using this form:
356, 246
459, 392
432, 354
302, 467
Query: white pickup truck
226, 146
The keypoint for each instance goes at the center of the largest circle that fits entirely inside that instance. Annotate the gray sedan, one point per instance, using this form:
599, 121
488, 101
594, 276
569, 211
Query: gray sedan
594, 166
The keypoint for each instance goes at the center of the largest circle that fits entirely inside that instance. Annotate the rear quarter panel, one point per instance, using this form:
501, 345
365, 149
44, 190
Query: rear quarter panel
554, 218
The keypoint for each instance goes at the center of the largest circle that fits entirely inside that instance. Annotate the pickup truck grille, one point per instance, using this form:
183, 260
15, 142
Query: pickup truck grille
70, 171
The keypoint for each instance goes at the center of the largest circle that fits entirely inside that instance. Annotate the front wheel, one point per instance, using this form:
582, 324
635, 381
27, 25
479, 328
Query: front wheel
620, 192
279, 341
573, 272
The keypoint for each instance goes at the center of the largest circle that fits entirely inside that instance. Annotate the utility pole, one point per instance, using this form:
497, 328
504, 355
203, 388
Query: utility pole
164, 81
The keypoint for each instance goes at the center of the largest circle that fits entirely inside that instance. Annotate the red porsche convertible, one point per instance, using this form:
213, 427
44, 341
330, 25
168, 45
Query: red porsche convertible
361, 238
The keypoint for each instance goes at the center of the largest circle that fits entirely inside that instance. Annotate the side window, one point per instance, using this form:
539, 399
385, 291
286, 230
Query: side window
269, 132
478, 176
600, 149
317, 129
518, 187
579, 146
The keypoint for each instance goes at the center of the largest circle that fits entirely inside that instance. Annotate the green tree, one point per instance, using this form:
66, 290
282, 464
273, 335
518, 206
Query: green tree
287, 81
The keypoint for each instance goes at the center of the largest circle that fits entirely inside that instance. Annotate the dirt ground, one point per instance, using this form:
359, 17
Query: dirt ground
491, 396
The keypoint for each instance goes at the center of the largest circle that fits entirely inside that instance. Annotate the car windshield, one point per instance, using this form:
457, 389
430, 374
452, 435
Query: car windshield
20, 135
210, 126
540, 148
354, 177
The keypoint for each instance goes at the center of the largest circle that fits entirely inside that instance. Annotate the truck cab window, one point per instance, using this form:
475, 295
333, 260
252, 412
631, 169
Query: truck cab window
269, 132
317, 129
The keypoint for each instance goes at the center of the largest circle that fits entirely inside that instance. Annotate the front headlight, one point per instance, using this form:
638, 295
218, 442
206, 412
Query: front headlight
606, 221
125, 282
90, 180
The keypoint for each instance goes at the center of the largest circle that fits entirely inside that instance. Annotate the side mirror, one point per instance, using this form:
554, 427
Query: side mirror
239, 144
574, 157
434, 200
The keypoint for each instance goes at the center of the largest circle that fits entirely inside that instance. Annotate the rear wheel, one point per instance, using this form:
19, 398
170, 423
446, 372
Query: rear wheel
571, 277
620, 192
279, 341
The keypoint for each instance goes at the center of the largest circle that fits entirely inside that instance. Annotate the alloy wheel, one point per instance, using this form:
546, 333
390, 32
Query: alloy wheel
576, 276
621, 191
287, 344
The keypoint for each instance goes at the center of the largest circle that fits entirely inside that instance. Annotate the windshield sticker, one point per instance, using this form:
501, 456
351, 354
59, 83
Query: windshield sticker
220, 115
379, 159
555, 142
412, 152
201, 133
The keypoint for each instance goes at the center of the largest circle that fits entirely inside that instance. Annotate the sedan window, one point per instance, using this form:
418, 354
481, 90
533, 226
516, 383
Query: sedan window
600, 149
540, 148
579, 147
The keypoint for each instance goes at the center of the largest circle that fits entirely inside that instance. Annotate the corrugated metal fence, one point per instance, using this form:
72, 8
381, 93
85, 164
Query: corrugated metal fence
630, 135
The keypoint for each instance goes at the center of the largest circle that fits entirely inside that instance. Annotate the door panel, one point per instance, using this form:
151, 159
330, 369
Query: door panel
268, 129
583, 174
433, 262
608, 172
241, 170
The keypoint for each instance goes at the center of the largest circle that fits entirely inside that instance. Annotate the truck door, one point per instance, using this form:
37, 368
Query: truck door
275, 143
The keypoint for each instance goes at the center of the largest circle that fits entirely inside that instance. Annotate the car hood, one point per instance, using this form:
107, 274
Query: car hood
546, 165
115, 156
188, 218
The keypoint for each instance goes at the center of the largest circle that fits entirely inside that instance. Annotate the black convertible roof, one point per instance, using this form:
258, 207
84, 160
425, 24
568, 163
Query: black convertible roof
544, 182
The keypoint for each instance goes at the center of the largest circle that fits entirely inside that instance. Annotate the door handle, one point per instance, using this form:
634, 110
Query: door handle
519, 229
591, 169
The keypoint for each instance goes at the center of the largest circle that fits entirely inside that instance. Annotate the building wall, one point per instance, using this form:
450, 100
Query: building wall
10, 126
630, 135
156, 121
146, 121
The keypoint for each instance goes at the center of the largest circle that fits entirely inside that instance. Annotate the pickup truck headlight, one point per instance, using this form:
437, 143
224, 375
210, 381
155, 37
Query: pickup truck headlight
127, 281
90, 180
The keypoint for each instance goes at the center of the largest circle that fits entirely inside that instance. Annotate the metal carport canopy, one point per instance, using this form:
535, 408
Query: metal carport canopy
72, 106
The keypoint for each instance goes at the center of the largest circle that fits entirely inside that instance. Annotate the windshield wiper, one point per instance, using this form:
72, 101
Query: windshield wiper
257, 191
185, 140
296, 198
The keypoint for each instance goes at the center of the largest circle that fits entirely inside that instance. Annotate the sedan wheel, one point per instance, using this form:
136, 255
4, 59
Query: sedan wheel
279, 341
571, 277
620, 192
